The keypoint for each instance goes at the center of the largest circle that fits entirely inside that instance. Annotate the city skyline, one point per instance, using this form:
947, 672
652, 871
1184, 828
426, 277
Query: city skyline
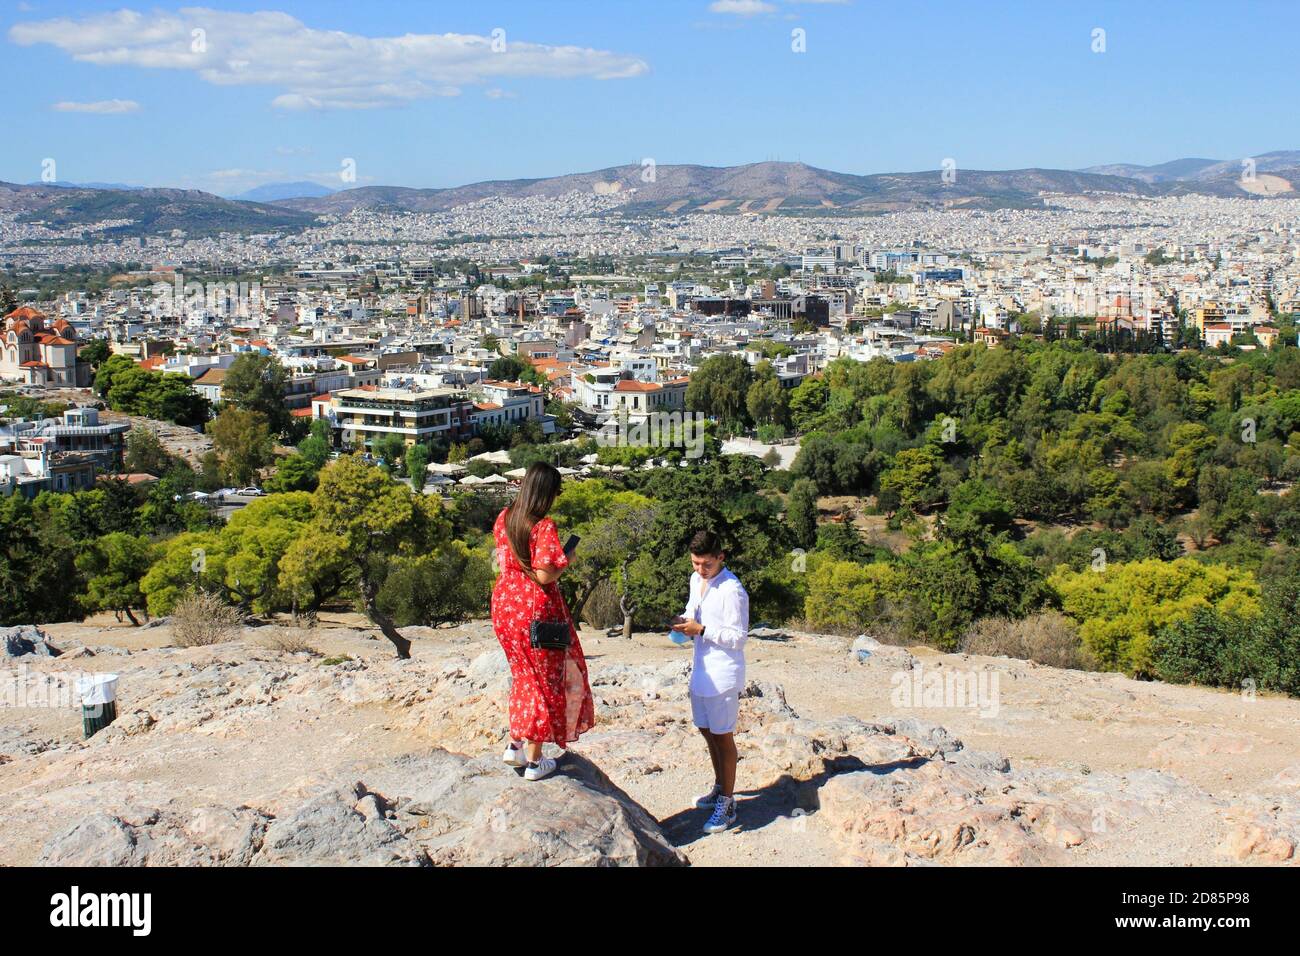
276, 97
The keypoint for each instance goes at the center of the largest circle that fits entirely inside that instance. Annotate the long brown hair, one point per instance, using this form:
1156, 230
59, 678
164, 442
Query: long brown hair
537, 492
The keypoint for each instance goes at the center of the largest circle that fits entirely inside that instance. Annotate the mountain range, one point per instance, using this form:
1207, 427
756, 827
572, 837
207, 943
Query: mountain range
152, 211
270, 192
768, 187
1201, 170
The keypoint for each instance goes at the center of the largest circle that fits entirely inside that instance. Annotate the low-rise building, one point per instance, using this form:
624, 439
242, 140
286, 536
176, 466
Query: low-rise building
427, 417
78, 431
39, 466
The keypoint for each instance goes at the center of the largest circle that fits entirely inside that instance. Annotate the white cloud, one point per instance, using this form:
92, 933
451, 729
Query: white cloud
98, 106
498, 94
314, 69
744, 8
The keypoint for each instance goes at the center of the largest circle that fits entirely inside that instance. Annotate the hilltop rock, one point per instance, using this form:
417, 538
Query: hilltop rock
466, 812
205, 836
928, 811
431, 808
242, 754
343, 826
489, 670
931, 735
26, 639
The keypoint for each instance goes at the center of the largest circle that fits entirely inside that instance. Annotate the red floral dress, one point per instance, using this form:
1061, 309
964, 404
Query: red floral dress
550, 699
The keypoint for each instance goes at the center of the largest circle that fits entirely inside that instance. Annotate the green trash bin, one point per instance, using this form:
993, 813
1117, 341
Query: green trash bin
98, 702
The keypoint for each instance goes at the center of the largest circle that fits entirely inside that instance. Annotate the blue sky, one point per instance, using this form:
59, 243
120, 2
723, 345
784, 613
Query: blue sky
881, 87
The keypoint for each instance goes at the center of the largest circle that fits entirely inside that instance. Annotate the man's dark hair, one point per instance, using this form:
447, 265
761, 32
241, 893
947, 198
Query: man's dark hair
705, 542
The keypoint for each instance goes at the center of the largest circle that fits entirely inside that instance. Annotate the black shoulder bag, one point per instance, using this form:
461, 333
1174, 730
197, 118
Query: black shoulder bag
550, 635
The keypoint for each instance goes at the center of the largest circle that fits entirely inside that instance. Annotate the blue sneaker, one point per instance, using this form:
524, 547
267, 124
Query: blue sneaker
724, 815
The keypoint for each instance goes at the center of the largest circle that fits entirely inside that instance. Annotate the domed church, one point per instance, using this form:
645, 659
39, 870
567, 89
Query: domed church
34, 351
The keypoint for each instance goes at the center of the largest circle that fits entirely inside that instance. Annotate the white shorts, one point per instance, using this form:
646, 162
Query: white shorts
716, 714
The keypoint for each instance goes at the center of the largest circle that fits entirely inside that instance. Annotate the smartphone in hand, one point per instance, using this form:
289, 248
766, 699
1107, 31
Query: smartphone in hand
571, 544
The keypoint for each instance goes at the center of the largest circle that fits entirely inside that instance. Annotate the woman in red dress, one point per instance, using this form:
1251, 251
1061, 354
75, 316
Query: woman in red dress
550, 699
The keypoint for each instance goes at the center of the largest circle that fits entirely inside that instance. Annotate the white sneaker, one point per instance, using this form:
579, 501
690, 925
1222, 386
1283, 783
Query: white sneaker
543, 768
514, 757
709, 799
724, 816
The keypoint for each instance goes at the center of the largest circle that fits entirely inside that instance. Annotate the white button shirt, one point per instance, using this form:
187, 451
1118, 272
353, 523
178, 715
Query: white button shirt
719, 664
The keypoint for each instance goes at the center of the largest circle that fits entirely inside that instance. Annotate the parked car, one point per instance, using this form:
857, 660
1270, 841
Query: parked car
192, 496
251, 492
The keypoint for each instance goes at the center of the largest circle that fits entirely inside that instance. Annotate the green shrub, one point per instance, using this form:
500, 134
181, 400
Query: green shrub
1226, 650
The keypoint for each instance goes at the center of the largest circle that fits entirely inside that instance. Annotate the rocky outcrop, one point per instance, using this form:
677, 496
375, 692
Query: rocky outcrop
435, 808
26, 639
205, 836
242, 754
929, 811
463, 811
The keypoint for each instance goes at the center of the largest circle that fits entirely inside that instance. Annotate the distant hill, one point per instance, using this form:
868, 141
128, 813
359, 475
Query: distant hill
1274, 162
1172, 171
752, 188
1202, 170
154, 210
270, 192
63, 185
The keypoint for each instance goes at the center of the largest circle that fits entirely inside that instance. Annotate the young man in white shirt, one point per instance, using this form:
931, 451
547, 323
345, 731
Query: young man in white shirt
717, 617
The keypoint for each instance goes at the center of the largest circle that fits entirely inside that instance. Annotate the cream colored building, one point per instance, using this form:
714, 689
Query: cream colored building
37, 352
